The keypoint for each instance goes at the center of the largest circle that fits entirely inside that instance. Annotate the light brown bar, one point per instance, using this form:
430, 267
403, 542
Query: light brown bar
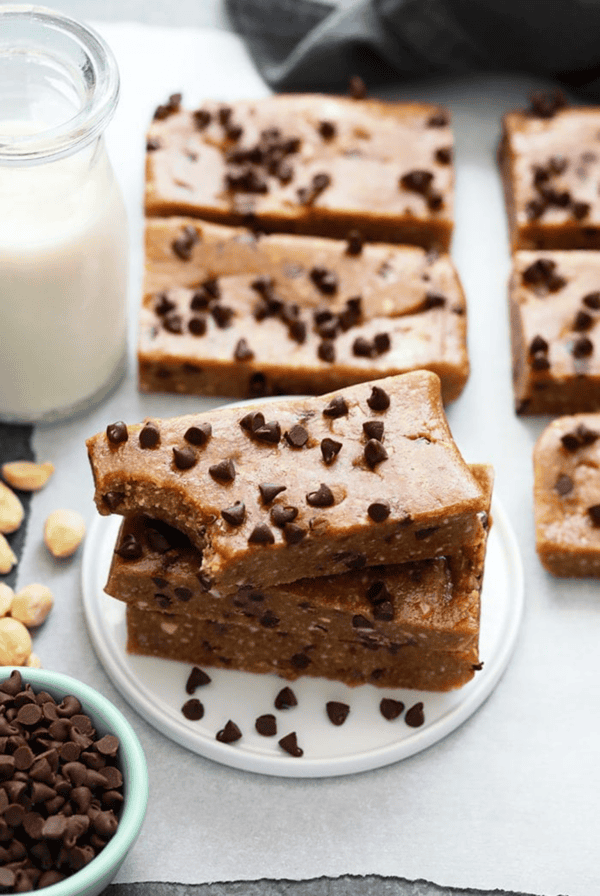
312, 164
550, 162
566, 462
245, 316
372, 475
555, 330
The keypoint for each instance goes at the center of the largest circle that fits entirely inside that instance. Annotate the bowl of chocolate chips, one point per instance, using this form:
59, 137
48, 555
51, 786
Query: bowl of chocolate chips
73, 785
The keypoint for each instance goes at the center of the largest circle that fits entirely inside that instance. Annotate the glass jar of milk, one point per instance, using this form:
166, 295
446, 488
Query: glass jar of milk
63, 229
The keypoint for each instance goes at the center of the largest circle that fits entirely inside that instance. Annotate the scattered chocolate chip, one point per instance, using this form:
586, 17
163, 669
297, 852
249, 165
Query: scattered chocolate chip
173, 323
184, 458
193, 710
322, 497
266, 725
252, 421
149, 436
172, 106
363, 348
197, 325
201, 118
117, 433
157, 541
563, 485
325, 280
373, 429
243, 352
130, 548
583, 347
439, 119
182, 593
417, 181
382, 343
594, 514
337, 712
319, 183
379, 400
330, 450
289, 743
354, 243
357, 88
327, 130
374, 453
538, 344
543, 273
261, 534
163, 304
285, 699
268, 432
547, 104
293, 534
580, 210
282, 514
269, 491
224, 471
337, 407
383, 611
297, 436
229, 734
361, 622
379, 511
539, 361
152, 144
326, 351
205, 581
434, 300
592, 300
222, 314
183, 245
415, 716
583, 321
391, 709
235, 515
444, 155
198, 435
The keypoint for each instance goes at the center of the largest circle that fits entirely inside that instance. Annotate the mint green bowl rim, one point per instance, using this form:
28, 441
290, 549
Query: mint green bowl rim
135, 776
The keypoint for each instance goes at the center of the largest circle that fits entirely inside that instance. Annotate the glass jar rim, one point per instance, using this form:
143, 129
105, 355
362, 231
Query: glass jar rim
35, 27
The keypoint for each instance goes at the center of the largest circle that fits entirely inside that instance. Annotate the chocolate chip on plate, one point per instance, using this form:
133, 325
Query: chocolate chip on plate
266, 725
193, 710
229, 734
285, 699
415, 716
289, 743
337, 712
391, 709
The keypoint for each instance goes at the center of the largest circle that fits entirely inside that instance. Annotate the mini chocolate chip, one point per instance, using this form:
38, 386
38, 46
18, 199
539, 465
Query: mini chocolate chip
382, 343
354, 243
163, 304
293, 534
583, 347
224, 471
539, 361
252, 421
580, 210
173, 323
373, 429
594, 514
201, 118
269, 491
417, 181
374, 453
289, 743
184, 458
197, 326
322, 497
266, 725
130, 548
547, 104
384, 611
326, 351
363, 348
583, 321
297, 331
297, 436
235, 515
222, 315
117, 433
152, 144
268, 432
193, 710
379, 511
433, 300
357, 88
439, 119
543, 273
285, 699
415, 716
337, 712
327, 130
443, 155
229, 734
538, 344
198, 435
337, 407
379, 400
261, 534
330, 450
149, 436
325, 280
564, 484
243, 352
391, 709
182, 246
592, 300
282, 514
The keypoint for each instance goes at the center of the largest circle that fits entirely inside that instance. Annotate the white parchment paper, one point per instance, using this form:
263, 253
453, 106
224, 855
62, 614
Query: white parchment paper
508, 801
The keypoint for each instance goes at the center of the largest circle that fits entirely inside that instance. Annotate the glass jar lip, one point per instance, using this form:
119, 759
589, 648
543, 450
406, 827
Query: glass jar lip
99, 73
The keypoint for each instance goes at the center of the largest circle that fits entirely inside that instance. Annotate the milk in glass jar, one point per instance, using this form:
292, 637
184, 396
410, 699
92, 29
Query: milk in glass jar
63, 229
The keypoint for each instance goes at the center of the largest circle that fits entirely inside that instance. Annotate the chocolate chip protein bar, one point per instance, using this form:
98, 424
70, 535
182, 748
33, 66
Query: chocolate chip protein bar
301, 487
227, 312
555, 316
550, 162
311, 164
566, 462
434, 604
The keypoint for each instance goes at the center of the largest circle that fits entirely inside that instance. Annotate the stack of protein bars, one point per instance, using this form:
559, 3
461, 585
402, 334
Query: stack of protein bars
340, 536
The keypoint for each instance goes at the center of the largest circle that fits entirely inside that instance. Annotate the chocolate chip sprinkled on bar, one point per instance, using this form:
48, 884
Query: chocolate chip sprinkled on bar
269, 491
193, 710
117, 433
282, 514
322, 497
197, 325
197, 679
391, 709
379, 400
183, 245
289, 743
293, 534
297, 436
285, 699
261, 534
374, 453
326, 351
543, 273
357, 88
251, 422
198, 435
439, 120
583, 321
184, 458
337, 712
149, 436
325, 280
266, 725
229, 734
235, 515
379, 511
415, 716
579, 438
545, 104
583, 347
224, 471
337, 407
373, 429
592, 300
268, 432
330, 450
242, 351
563, 485
354, 243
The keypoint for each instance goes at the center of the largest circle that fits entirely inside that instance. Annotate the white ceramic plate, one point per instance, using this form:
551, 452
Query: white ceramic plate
156, 688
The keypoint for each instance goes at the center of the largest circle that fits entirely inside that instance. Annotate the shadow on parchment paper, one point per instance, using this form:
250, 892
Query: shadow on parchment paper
348, 885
